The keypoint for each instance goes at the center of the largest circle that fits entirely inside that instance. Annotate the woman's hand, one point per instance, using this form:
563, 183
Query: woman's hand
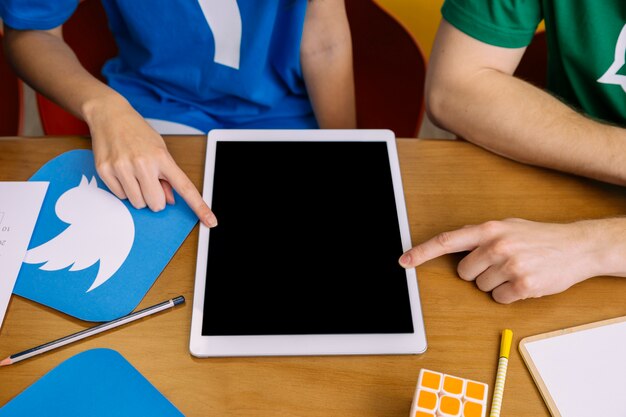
133, 161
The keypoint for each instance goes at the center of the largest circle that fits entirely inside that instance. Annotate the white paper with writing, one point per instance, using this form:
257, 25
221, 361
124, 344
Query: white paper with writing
20, 203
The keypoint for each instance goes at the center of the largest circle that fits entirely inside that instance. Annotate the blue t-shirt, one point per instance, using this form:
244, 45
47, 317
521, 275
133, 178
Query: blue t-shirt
202, 63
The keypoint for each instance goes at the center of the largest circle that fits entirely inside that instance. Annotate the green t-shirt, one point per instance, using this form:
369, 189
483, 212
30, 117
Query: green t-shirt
586, 42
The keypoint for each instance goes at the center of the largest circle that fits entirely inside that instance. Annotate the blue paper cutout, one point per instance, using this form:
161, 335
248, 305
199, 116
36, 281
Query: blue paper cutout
98, 382
71, 289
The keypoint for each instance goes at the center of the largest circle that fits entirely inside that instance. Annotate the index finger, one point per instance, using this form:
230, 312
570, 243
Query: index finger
185, 188
467, 238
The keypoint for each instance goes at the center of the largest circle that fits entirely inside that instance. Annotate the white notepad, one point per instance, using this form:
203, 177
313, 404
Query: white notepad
580, 371
20, 203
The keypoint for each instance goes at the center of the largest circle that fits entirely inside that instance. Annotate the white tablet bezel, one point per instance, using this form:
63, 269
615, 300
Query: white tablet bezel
288, 345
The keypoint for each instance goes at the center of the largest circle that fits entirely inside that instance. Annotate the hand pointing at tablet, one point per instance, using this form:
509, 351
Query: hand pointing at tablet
517, 259
133, 161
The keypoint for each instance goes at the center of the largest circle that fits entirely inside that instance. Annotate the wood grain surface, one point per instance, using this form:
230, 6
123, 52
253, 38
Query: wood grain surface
448, 184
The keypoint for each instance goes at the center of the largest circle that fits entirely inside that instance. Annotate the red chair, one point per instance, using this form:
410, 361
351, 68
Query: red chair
87, 33
11, 99
389, 71
534, 64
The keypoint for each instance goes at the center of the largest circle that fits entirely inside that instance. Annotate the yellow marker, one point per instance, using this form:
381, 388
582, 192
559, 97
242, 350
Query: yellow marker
498, 390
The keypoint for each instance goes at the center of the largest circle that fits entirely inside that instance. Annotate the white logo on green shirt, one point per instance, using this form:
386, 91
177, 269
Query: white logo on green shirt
612, 76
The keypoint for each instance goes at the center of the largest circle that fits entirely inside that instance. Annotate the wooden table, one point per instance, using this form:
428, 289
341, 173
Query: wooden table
448, 184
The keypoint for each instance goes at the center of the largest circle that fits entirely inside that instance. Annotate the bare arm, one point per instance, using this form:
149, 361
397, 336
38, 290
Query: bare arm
471, 91
64, 79
326, 56
131, 158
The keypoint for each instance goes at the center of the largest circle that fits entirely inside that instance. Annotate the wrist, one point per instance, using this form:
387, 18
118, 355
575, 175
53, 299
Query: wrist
94, 108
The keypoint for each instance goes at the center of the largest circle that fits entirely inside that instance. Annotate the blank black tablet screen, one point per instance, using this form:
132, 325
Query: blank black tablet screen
308, 241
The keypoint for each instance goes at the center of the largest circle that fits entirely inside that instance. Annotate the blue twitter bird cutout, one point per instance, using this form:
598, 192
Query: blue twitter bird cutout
92, 255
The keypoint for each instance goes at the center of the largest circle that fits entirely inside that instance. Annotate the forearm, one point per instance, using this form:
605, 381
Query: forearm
48, 64
524, 123
326, 58
471, 91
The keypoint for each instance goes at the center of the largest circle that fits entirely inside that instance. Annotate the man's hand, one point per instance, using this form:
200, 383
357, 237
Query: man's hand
133, 161
517, 259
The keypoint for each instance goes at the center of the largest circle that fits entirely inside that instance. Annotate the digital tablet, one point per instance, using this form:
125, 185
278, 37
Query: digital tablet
304, 260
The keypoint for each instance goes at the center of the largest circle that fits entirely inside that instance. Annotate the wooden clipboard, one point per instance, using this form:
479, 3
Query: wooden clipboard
556, 359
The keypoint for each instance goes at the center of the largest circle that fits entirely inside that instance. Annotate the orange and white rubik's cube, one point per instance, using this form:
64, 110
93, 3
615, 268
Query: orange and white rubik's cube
444, 395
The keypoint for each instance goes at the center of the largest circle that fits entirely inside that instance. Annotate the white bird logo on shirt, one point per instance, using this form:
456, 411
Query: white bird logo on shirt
100, 229
612, 76
224, 20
